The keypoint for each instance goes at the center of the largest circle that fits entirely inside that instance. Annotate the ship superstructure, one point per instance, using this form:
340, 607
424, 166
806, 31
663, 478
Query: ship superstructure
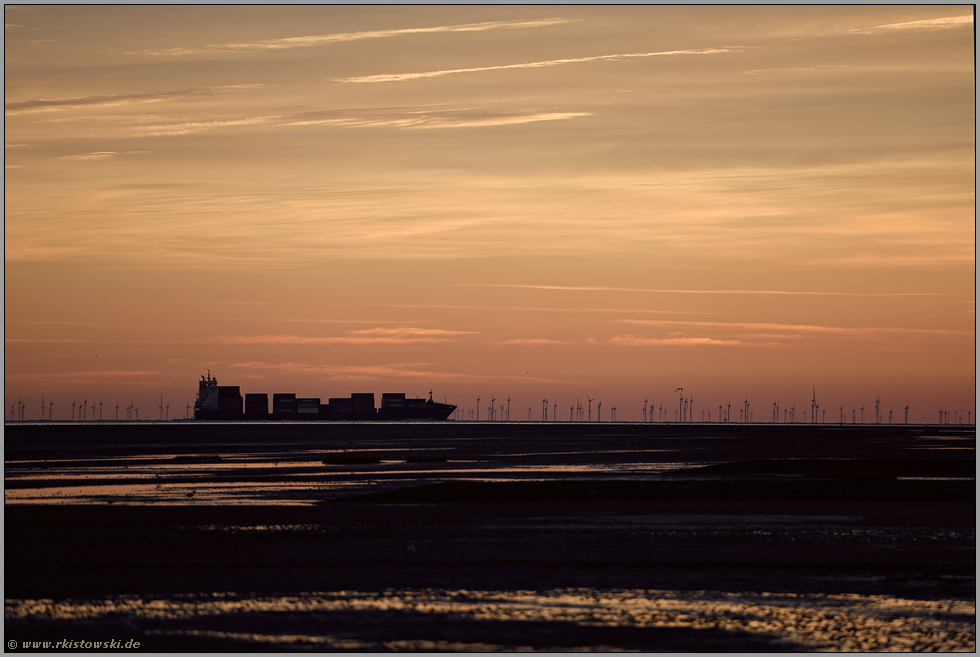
216, 402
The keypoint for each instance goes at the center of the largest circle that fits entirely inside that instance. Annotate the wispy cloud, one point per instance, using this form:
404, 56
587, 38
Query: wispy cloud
48, 321
390, 371
534, 341
266, 45
808, 328
400, 77
586, 288
175, 129
88, 375
100, 155
55, 104
357, 372
822, 67
32, 340
401, 335
945, 23
635, 341
431, 120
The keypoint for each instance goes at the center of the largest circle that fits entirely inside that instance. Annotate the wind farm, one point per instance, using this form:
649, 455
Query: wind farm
686, 413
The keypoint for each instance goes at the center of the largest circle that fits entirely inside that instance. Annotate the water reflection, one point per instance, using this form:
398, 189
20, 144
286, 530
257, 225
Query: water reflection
346, 619
304, 477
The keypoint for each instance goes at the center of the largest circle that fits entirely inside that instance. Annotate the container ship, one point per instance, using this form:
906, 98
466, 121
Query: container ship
216, 402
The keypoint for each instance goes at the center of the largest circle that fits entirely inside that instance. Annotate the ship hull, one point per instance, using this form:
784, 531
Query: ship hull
216, 402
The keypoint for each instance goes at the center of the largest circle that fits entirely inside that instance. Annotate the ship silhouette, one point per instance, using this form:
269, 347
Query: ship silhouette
216, 402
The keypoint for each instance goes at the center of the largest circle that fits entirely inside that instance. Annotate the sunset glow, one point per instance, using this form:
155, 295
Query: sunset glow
549, 202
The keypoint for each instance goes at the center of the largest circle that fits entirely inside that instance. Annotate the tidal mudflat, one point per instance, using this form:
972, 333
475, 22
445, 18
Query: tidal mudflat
471, 537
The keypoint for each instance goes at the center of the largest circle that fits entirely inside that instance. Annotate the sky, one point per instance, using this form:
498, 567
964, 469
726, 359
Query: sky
548, 202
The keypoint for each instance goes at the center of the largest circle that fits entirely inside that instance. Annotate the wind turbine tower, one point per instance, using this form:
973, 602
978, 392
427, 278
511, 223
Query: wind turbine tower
599, 412
591, 399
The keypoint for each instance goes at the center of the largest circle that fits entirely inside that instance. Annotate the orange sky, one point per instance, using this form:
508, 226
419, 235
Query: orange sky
534, 202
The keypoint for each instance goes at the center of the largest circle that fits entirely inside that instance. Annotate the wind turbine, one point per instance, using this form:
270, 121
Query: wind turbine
100, 410
554, 414
478, 408
493, 400
599, 413
117, 411
590, 406
644, 410
680, 403
50, 408
906, 413
508, 408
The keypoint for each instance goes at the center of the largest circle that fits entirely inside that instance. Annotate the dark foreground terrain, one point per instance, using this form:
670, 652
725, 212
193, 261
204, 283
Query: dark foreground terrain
494, 540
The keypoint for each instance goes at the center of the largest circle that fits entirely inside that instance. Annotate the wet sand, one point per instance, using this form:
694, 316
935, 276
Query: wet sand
861, 542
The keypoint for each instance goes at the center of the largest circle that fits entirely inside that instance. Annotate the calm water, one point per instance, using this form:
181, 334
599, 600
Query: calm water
297, 478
